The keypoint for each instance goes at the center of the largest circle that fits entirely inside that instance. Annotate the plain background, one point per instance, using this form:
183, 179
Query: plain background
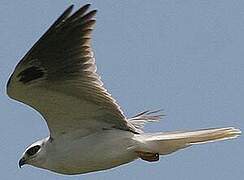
183, 56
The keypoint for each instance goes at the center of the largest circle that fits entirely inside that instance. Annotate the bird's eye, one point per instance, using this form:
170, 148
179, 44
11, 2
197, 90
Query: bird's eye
33, 150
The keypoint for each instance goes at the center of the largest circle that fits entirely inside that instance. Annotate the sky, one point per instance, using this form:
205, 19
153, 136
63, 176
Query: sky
183, 56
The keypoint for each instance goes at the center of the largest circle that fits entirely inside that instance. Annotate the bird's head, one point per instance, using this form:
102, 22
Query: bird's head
34, 154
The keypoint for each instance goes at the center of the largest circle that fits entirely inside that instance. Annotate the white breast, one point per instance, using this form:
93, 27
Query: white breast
99, 151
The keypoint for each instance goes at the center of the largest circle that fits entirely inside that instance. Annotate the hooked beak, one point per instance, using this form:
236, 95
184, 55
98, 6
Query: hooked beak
22, 162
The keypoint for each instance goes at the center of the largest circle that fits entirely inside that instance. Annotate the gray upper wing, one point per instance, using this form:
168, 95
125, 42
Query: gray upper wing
58, 78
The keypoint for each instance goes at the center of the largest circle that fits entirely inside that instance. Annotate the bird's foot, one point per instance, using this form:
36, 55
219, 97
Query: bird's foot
148, 156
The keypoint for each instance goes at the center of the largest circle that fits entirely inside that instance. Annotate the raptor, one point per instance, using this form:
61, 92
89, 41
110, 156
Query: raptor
88, 130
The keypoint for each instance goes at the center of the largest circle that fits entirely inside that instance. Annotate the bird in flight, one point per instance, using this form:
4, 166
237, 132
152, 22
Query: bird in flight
88, 130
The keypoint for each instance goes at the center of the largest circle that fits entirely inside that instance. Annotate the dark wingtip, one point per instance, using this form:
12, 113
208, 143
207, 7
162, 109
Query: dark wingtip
70, 8
94, 11
84, 8
87, 5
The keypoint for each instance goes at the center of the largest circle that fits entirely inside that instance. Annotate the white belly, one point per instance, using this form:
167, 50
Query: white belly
100, 151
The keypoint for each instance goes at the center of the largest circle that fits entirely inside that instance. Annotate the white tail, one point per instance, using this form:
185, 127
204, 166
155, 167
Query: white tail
168, 142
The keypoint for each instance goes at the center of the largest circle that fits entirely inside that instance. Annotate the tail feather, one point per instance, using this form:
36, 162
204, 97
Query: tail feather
168, 142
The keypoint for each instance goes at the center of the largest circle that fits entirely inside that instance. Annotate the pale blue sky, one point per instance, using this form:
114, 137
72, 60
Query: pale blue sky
183, 56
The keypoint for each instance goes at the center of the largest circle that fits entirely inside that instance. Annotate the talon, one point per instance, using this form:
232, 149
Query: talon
148, 156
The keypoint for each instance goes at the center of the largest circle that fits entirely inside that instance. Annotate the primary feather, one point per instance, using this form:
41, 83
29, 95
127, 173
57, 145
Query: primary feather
58, 78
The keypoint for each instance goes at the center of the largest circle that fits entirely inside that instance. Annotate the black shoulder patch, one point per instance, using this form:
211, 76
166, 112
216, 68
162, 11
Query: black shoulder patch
30, 74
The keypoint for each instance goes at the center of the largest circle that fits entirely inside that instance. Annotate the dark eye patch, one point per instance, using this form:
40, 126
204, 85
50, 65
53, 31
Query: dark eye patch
30, 74
33, 150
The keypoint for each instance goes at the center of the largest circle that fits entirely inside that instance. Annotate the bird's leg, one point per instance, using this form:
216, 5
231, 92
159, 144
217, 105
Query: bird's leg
148, 156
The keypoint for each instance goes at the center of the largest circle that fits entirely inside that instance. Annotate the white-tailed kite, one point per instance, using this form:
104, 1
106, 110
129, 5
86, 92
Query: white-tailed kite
88, 130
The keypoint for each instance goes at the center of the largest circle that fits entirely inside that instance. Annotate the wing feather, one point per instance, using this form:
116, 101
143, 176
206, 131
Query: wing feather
58, 78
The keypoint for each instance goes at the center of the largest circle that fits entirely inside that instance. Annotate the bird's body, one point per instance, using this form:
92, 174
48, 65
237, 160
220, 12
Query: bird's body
88, 130
98, 151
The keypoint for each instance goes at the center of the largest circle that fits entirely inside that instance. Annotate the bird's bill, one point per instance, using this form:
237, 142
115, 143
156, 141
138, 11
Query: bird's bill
22, 162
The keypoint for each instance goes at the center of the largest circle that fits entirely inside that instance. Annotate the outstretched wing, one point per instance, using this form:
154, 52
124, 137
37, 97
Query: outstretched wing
58, 78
